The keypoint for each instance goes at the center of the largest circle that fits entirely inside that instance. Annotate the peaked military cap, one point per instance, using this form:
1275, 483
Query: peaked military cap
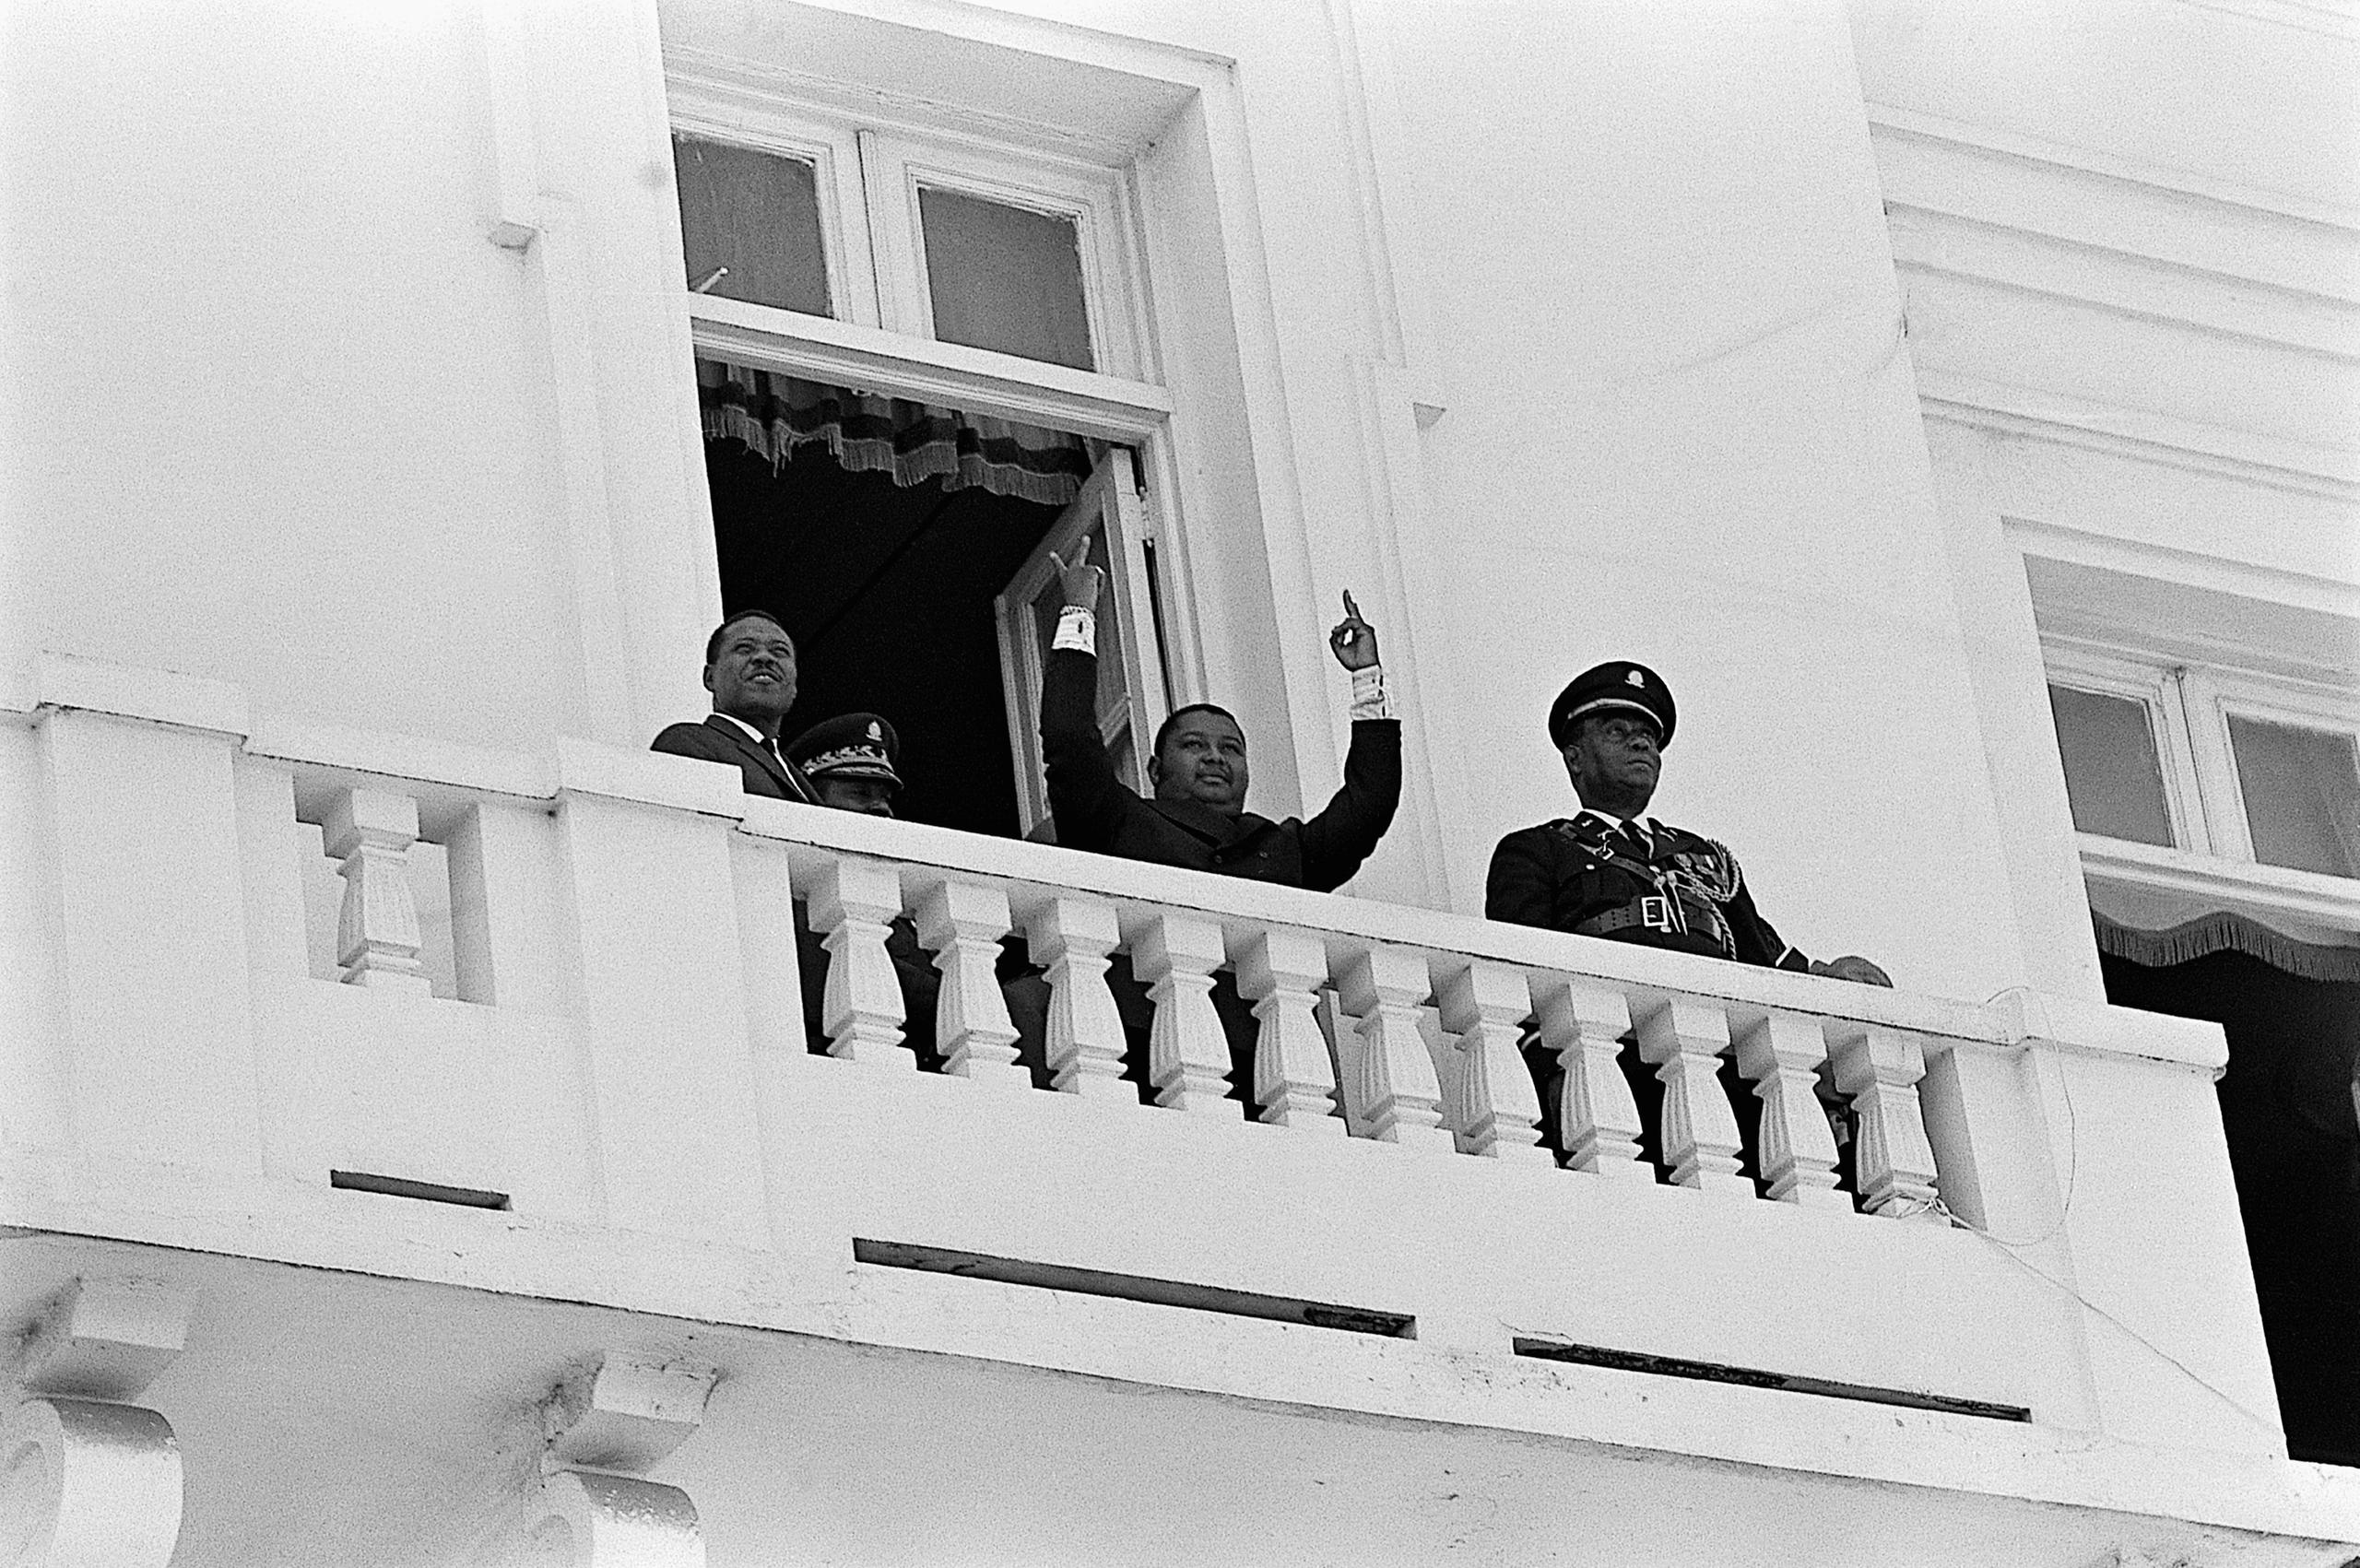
1616, 684
850, 746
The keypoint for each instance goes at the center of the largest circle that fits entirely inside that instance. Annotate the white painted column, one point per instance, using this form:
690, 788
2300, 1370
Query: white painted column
1684, 1040
1295, 1081
150, 912
1781, 1055
1497, 1111
1071, 937
1893, 1165
1400, 1096
962, 922
1584, 1024
1188, 1054
377, 942
861, 1006
662, 996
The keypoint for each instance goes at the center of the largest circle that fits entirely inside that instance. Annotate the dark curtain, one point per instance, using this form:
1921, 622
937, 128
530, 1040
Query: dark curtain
911, 442
2286, 1106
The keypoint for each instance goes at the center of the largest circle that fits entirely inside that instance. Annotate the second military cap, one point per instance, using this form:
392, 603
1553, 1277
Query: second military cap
1617, 684
851, 745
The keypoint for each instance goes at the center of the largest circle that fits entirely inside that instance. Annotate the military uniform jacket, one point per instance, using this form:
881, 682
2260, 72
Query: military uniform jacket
1684, 892
1095, 810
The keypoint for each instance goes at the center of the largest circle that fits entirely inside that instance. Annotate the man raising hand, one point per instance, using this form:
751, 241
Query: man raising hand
1197, 767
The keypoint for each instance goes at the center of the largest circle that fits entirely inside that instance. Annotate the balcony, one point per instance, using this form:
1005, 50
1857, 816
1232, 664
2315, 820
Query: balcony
2037, 1291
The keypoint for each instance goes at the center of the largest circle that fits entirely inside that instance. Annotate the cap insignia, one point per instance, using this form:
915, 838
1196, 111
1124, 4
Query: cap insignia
1635, 678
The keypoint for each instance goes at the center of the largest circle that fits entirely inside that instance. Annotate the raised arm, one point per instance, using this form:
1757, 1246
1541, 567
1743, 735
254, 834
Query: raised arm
1346, 832
1085, 797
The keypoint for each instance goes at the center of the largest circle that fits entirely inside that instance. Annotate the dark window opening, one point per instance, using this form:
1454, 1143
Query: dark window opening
888, 591
2286, 1106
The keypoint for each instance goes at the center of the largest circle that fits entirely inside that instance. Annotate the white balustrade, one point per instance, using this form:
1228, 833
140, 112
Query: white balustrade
1294, 1078
1583, 1023
1780, 1055
851, 907
963, 923
1188, 1054
1071, 938
377, 937
1682, 1038
1398, 1096
1496, 1109
1893, 1164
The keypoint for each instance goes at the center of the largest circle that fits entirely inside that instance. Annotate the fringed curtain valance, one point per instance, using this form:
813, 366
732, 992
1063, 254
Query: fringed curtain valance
2224, 932
773, 414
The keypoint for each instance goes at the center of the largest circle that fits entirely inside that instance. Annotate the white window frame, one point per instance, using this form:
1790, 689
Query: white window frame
869, 171
1096, 201
2156, 689
2213, 697
2212, 863
882, 341
834, 155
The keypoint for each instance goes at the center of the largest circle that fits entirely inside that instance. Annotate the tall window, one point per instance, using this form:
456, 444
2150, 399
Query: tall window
889, 323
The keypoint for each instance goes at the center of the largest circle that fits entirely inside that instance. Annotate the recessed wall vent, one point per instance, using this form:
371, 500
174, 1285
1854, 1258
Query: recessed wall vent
1135, 1288
425, 1192
1753, 1377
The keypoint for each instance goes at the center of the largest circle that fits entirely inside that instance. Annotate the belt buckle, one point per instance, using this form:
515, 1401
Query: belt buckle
1659, 913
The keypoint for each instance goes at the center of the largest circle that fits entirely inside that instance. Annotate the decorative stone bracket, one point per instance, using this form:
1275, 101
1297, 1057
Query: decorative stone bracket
608, 1424
86, 1476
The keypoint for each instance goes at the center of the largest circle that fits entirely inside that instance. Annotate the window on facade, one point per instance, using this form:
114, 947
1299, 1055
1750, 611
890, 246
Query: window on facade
2112, 773
749, 225
2301, 790
1003, 278
901, 523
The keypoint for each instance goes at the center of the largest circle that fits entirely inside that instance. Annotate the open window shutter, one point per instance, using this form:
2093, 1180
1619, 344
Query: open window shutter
1112, 515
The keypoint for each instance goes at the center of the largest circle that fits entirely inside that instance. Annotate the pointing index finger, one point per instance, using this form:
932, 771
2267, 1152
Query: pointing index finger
1351, 610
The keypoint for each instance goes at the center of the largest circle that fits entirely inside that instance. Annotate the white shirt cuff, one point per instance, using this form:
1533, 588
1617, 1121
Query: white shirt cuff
1372, 698
1076, 631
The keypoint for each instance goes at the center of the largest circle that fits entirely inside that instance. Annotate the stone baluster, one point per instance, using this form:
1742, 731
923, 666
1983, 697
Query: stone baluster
1187, 1054
1780, 1055
1582, 1024
1400, 1097
1893, 1164
963, 923
607, 1426
861, 1006
1496, 1111
1071, 937
93, 1478
377, 942
1683, 1038
1295, 1080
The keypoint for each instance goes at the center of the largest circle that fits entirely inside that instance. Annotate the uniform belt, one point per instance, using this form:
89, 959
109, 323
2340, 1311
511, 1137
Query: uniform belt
1657, 912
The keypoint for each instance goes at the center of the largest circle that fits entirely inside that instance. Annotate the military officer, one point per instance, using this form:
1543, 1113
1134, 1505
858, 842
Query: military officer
849, 760
1608, 870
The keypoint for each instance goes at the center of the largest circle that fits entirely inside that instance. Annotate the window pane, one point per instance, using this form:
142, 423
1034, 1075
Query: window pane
2111, 774
1005, 279
2302, 790
758, 216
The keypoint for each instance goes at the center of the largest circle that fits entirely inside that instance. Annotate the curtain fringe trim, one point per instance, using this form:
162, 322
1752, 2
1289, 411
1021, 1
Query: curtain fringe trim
958, 469
2225, 932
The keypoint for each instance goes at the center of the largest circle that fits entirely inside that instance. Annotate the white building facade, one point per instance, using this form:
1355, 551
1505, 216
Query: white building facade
1868, 374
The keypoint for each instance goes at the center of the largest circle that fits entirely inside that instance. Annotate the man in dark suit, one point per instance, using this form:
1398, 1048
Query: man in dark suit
750, 669
1198, 816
